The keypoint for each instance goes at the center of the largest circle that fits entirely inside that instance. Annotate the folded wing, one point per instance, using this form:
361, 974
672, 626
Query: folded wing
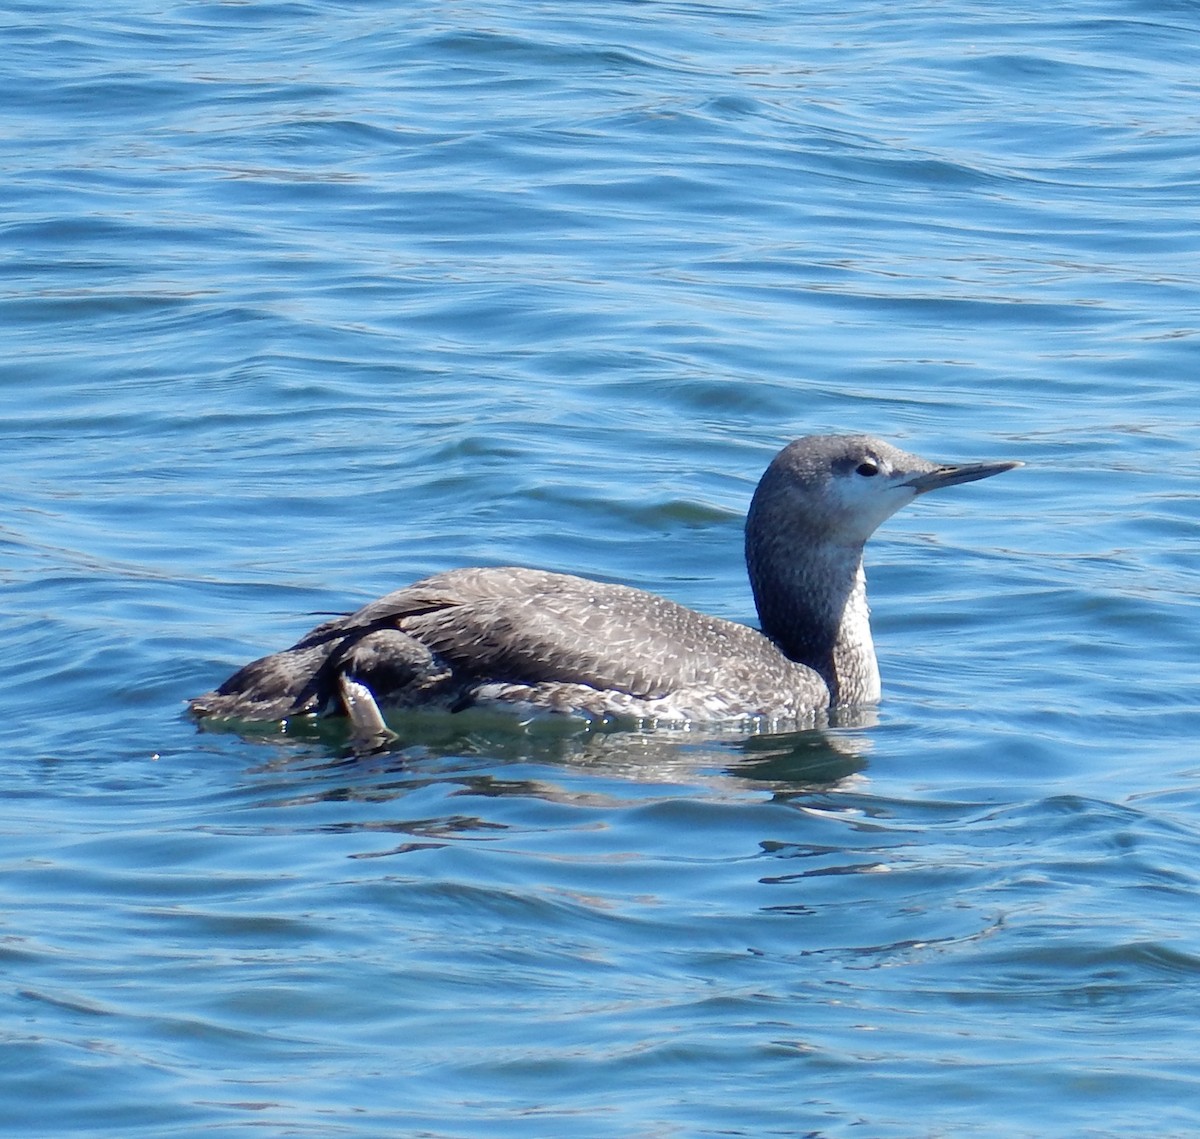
441, 639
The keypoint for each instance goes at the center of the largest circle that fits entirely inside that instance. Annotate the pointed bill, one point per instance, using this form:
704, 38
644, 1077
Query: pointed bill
952, 476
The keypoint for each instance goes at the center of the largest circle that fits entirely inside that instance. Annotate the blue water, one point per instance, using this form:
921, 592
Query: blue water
301, 301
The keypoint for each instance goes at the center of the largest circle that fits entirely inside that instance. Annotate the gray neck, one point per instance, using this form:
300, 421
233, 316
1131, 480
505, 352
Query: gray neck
812, 602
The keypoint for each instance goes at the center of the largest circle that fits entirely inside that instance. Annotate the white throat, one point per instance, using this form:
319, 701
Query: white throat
854, 659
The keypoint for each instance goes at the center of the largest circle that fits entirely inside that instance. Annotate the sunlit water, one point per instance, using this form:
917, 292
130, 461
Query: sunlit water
301, 301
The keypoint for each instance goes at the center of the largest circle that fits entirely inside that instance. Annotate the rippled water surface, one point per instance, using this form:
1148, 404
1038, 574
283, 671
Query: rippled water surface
301, 301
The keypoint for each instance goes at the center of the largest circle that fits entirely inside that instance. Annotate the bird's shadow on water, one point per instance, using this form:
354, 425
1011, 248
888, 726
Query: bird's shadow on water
792, 761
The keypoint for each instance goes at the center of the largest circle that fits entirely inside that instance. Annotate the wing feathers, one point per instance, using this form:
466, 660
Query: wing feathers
449, 633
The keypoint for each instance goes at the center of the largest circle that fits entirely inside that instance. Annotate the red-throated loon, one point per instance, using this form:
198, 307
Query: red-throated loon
550, 642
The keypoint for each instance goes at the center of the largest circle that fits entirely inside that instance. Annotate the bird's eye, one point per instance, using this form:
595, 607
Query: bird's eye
867, 468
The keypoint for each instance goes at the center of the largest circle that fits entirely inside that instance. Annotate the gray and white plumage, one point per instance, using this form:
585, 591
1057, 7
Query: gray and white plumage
536, 641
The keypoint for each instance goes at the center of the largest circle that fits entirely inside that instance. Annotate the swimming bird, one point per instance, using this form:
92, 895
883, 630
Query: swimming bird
538, 642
